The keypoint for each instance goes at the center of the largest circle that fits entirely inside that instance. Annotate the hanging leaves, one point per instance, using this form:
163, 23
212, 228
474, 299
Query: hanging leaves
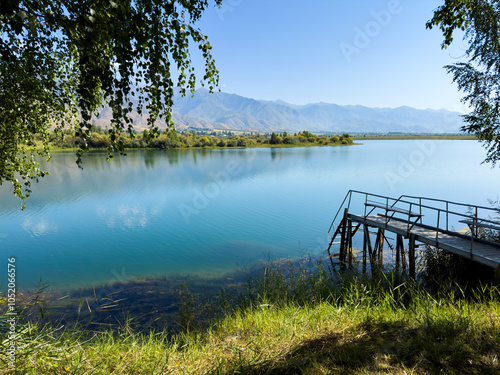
62, 61
479, 78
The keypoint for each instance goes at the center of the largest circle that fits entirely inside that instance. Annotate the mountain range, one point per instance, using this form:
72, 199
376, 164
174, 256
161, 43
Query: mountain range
224, 111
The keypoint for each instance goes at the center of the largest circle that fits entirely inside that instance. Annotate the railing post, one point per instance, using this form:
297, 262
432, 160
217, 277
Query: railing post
420, 206
437, 227
409, 218
387, 211
475, 219
447, 210
340, 208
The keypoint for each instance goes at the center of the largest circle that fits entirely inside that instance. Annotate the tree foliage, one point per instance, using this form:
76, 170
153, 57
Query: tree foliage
205, 139
479, 78
62, 61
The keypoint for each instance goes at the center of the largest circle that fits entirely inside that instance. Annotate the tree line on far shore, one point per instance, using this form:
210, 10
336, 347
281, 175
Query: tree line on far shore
99, 139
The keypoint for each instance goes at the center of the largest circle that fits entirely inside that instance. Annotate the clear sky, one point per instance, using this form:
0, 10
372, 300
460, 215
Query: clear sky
376, 53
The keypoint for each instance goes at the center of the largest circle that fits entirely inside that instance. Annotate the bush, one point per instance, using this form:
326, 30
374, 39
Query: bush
205, 141
444, 271
232, 142
99, 141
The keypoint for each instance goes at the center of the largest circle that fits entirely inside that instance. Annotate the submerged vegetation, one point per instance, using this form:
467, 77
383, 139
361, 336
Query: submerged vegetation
287, 318
222, 139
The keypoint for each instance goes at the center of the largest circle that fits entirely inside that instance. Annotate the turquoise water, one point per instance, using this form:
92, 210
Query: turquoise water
206, 212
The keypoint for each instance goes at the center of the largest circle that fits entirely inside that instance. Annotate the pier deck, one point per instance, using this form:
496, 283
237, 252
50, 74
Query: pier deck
418, 219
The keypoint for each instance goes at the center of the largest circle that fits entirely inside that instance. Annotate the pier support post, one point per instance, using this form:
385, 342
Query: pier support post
380, 245
337, 231
342, 254
365, 246
349, 242
411, 256
399, 250
369, 246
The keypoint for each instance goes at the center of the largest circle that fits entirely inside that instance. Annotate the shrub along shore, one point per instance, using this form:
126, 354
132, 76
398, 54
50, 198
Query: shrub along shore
99, 140
287, 318
179, 140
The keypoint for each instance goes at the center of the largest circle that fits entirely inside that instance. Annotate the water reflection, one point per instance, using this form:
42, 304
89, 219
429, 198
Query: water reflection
149, 159
154, 169
208, 211
276, 152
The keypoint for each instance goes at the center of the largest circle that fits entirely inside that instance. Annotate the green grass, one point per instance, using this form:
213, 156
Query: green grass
288, 318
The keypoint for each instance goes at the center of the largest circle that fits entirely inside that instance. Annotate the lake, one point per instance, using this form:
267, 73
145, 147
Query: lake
208, 212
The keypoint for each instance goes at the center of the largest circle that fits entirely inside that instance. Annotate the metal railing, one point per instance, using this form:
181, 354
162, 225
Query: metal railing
438, 218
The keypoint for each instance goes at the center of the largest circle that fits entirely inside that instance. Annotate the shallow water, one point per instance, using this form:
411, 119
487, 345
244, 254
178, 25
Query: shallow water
208, 212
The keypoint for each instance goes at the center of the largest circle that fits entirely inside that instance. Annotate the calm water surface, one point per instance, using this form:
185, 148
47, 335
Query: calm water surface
206, 212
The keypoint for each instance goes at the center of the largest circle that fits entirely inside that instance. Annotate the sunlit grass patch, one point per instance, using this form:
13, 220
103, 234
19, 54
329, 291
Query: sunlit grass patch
287, 318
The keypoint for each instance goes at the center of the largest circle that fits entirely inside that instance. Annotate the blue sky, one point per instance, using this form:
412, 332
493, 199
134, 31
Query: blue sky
376, 53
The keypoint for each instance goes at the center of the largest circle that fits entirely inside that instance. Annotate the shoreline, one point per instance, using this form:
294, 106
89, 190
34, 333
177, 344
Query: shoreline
61, 150
357, 142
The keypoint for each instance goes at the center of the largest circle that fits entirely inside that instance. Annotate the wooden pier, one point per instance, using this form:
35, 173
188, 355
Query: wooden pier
419, 221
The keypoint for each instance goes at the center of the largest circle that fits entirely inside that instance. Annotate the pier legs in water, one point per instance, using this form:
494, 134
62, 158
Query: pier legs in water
379, 247
411, 256
374, 254
345, 255
400, 255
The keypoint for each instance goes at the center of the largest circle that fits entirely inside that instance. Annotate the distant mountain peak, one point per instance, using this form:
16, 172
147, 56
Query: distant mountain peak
242, 113
220, 110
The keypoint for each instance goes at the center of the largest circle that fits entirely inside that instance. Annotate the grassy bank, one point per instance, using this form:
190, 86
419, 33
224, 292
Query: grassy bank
286, 319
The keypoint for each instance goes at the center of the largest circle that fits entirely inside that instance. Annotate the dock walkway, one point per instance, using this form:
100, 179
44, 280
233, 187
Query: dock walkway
418, 220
